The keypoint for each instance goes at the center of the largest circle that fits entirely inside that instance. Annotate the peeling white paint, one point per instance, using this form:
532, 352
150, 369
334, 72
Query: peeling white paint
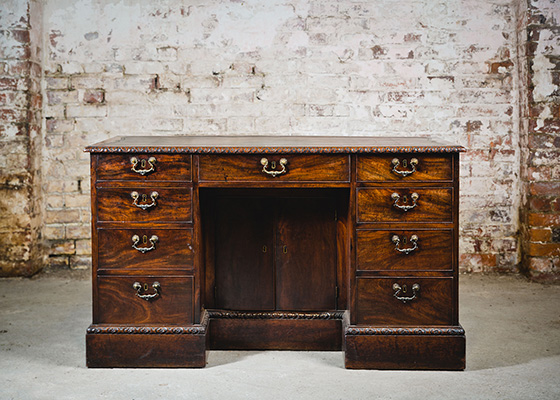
542, 78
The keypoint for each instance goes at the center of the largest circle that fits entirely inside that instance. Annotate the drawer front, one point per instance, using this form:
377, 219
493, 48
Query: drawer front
405, 250
144, 167
431, 303
404, 167
405, 205
245, 168
118, 302
126, 249
118, 204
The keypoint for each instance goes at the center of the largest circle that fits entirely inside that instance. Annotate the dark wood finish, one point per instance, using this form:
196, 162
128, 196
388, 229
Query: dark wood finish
377, 304
379, 168
377, 252
167, 167
248, 168
244, 254
326, 278
271, 144
433, 205
173, 250
404, 352
116, 205
305, 273
275, 334
119, 304
137, 351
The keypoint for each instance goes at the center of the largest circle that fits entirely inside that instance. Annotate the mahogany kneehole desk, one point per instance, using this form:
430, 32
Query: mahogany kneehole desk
284, 243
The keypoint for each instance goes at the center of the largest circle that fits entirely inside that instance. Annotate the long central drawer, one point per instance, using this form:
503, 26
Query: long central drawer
275, 168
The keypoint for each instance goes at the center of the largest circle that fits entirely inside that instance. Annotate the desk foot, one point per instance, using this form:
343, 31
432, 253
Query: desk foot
430, 348
154, 347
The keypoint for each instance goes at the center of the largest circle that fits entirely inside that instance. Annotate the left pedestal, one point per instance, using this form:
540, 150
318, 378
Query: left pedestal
154, 347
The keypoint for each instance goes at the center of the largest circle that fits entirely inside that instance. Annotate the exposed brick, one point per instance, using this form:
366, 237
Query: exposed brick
543, 249
544, 188
96, 96
540, 234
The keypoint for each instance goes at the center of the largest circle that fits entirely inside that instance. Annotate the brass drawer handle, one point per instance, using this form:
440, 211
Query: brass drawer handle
397, 240
396, 197
413, 163
273, 172
136, 196
397, 288
151, 162
139, 289
136, 239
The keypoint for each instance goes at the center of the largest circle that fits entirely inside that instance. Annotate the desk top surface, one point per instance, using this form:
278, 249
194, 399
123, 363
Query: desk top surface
271, 144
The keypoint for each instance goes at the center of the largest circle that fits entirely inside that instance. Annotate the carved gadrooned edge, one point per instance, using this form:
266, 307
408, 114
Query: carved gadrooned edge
152, 330
273, 150
274, 315
455, 331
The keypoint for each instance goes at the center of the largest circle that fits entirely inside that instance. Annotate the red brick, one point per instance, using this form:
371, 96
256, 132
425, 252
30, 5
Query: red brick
542, 203
495, 66
543, 249
535, 219
549, 126
540, 235
21, 35
94, 96
8, 83
545, 188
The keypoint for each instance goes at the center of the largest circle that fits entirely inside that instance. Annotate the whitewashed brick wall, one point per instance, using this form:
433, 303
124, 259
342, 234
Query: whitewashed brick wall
444, 69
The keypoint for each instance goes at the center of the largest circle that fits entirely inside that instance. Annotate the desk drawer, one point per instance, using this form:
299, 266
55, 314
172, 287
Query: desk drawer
119, 303
405, 250
422, 301
144, 204
268, 167
146, 248
144, 167
405, 205
404, 167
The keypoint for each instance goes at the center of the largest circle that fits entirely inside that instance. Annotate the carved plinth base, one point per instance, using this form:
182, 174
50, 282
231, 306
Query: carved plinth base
275, 331
441, 348
154, 347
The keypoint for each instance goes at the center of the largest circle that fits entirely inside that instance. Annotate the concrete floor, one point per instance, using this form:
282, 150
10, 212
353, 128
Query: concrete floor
513, 352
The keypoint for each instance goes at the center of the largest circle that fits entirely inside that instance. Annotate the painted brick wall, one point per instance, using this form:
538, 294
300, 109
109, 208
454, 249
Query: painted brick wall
540, 134
445, 69
21, 251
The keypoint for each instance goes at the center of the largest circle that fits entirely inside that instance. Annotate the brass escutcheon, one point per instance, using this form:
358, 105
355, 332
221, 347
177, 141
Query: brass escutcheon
396, 163
144, 288
273, 172
151, 161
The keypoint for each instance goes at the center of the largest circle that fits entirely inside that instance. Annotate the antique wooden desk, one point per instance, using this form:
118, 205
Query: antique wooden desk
294, 243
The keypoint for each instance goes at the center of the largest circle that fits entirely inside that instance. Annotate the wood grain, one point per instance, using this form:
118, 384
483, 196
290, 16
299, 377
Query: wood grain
376, 251
300, 168
379, 168
173, 250
168, 167
116, 205
377, 305
433, 205
118, 303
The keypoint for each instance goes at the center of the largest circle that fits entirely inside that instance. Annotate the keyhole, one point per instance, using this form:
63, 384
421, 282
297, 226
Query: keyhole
145, 239
285, 249
143, 163
264, 249
144, 197
273, 164
405, 198
404, 239
404, 163
145, 287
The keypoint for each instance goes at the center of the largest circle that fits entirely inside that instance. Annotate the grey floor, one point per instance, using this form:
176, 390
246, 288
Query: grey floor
513, 352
